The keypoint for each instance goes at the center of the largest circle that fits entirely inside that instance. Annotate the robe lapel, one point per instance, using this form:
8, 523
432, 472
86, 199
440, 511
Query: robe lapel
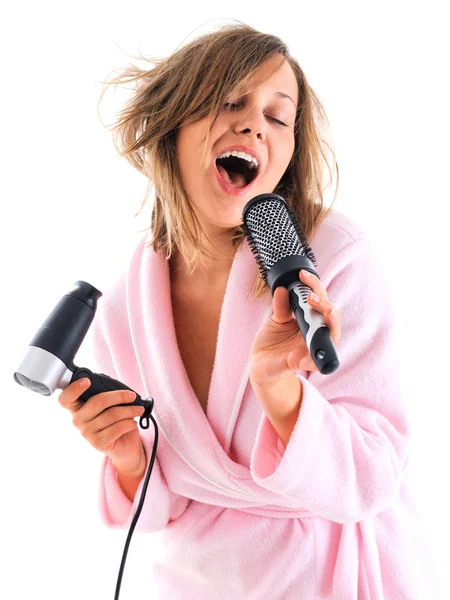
177, 410
240, 319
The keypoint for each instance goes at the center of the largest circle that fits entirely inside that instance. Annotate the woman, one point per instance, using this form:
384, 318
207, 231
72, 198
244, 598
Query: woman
272, 481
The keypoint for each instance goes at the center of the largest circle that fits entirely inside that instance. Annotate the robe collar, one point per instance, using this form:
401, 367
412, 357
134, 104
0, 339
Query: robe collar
177, 410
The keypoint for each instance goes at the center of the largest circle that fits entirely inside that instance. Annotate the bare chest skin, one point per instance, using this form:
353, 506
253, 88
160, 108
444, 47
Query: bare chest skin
196, 321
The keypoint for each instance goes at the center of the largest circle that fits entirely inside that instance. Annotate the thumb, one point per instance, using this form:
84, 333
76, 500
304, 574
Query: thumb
282, 311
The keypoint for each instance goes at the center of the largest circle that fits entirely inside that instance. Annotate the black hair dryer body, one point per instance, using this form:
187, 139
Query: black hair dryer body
48, 364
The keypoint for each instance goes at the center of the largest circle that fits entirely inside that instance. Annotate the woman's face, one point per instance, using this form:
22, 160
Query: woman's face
259, 123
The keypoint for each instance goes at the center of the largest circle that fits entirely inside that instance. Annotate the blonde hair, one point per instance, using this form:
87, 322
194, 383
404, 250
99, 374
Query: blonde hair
193, 83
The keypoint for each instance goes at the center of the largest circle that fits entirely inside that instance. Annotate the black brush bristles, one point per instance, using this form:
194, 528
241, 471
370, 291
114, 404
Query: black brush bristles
307, 250
273, 232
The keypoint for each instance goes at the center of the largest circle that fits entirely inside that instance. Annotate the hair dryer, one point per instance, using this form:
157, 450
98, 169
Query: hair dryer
48, 363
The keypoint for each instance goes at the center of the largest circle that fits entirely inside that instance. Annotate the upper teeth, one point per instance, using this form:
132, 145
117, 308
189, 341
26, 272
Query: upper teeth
251, 159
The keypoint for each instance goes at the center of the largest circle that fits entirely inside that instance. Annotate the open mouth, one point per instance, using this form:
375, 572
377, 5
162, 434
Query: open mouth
236, 171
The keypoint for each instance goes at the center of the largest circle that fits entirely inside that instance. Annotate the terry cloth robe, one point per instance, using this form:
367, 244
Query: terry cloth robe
240, 516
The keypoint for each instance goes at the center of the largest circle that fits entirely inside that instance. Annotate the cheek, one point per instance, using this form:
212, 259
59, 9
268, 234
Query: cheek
189, 154
282, 154
182, 155
184, 168
289, 147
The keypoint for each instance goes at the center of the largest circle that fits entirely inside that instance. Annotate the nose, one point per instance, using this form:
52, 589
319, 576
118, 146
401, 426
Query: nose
252, 122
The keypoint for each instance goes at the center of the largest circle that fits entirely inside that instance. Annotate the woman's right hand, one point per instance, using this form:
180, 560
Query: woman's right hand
109, 428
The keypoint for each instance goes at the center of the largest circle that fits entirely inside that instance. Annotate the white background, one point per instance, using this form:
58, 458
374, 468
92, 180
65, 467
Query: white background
68, 206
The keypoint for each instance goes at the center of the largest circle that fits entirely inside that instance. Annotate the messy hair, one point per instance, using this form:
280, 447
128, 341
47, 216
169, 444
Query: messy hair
192, 83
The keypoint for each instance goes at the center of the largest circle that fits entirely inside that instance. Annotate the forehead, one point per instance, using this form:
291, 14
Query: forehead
282, 80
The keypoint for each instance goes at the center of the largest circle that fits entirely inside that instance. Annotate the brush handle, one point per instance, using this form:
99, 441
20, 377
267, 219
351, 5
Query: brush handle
103, 383
314, 329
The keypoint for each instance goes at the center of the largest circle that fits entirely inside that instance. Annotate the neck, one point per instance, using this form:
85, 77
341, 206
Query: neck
214, 273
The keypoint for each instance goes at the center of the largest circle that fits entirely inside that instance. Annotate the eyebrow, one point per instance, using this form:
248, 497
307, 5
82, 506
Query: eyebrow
283, 95
279, 94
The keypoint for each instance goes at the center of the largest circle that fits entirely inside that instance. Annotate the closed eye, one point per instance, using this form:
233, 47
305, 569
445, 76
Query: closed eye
279, 122
233, 107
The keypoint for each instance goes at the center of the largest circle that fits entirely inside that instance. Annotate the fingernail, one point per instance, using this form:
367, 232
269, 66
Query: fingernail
307, 274
131, 395
315, 298
332, 315
83, 382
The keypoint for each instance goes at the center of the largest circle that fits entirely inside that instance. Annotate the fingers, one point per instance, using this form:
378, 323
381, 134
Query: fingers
314, 283
105, 439
103, 401
69, 396
102, 420
108, 425
98, 403
331, 314
282, 312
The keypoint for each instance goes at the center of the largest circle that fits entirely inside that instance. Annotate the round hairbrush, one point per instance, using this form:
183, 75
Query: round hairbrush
281, 251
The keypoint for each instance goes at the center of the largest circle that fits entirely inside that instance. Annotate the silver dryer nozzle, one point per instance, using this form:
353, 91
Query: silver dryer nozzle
42, 372
48, 363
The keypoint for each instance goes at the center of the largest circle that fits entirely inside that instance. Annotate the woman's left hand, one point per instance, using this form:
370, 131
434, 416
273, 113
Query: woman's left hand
279, 347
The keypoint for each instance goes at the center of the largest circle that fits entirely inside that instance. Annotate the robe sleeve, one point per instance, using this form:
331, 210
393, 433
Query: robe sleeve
347, 452
161, 505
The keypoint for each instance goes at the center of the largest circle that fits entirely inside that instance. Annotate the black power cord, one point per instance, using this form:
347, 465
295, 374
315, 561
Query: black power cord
138, 511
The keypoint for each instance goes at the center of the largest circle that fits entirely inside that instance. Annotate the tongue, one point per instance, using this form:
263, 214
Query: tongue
236, 180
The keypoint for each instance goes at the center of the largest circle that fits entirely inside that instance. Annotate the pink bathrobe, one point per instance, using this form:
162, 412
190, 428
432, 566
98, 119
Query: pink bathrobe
242, 517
